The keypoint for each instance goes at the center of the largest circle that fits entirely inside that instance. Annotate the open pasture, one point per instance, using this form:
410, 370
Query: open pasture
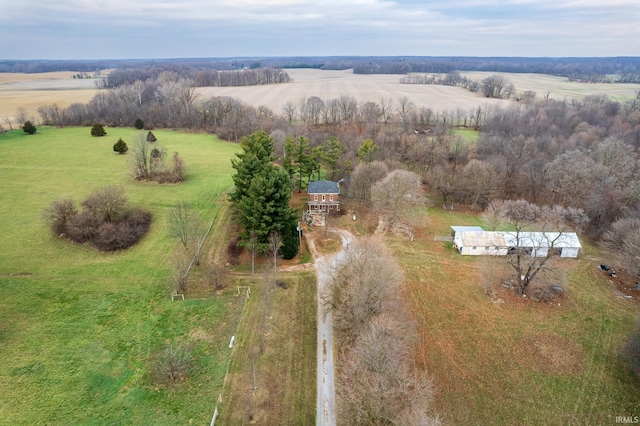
80, 330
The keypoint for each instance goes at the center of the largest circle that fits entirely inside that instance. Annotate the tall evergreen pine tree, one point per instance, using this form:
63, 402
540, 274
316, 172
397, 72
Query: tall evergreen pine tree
262, 190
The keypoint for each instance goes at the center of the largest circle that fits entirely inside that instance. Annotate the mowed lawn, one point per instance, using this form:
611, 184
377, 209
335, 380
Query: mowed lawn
80, 330
512, 361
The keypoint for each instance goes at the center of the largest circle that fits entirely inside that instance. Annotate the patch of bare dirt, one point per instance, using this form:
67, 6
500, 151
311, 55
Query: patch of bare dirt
626, 283
199, 334
551, 354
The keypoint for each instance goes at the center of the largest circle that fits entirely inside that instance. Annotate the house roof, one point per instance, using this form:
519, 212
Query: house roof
323, 187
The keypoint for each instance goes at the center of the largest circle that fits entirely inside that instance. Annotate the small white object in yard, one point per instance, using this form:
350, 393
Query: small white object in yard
232, 342
354, 216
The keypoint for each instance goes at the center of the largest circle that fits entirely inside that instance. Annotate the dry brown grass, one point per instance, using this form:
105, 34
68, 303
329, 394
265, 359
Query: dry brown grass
551, 354
513, 361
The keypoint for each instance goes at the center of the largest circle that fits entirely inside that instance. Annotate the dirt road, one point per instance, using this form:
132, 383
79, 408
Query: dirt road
326, 413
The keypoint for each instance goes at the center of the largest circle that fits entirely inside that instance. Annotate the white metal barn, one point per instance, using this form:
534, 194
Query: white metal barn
474, 241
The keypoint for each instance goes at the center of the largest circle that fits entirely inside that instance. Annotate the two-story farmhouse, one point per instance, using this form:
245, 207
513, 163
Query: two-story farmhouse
323, 196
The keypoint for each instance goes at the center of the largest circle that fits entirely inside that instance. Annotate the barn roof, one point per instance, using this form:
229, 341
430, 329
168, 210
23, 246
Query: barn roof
479, 239
542, 239
323, 187
467, 229
511, 239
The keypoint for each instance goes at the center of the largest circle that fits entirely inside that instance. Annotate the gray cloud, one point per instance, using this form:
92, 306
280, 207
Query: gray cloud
79, 29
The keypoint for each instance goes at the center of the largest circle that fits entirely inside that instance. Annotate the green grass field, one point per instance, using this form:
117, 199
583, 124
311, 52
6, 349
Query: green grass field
276, 353
80, 329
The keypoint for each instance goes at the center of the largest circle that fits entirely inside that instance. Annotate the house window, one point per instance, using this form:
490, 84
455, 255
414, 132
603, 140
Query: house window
315, 197
474, 247
331, 197
323, 197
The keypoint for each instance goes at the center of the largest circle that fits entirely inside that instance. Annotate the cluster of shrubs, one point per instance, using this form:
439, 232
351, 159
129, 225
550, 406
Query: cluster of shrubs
103, 221
149, 162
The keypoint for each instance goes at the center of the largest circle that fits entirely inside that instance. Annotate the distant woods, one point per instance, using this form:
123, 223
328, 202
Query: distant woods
590, 70
198, 77
601, 70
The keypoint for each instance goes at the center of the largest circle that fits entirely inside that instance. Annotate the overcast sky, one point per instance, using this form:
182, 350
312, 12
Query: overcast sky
99, 29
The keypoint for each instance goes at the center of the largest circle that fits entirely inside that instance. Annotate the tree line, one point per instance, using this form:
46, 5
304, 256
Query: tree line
494, 86
377, 381
199, 77
584, 69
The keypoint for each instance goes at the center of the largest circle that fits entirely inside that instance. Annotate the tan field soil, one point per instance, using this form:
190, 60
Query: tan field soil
365, 88
31, 91
560, 87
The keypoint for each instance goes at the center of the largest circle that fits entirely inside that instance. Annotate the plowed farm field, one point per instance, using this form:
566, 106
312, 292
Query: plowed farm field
365, 88
31, 91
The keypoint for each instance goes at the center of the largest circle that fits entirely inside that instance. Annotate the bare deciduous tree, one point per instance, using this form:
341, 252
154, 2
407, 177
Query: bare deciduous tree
395, 194
289, 110
479, 183
526, 256
362, 285
494, 214
7, 120
141, 163
108, 202
58, 213
274, 244
623, 239
253, 245
495, 86
22, 116
364, 176
377, 382
183, 223
181, 261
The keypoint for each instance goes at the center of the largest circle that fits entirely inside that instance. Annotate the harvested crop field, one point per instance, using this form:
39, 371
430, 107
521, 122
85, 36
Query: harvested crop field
560, 87
31, 91
334, 84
